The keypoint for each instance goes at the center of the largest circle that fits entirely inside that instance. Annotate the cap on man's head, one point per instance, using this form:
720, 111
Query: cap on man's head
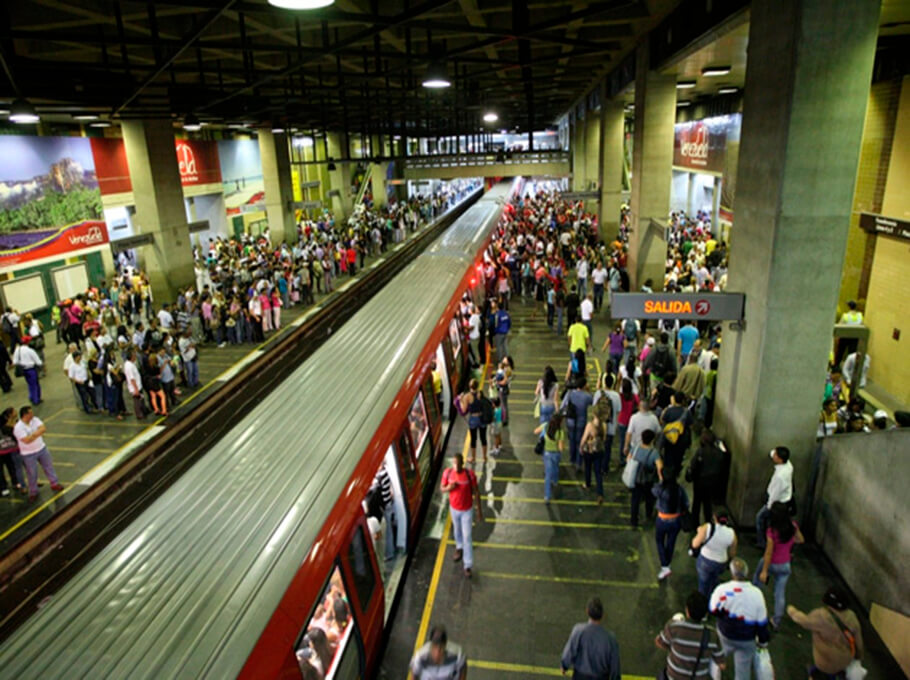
880, 413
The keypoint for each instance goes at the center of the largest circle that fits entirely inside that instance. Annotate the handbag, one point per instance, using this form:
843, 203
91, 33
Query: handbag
539, 446
764, 669
630, 472
537, 409
18, 371
855, 671
695, 552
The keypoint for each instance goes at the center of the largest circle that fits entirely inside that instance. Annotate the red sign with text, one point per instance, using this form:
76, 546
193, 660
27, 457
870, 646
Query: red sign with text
699, 145
63, 242
197, 161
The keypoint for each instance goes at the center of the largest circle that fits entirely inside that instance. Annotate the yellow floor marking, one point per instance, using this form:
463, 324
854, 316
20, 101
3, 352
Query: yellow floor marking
77, 436
441, 552
105, 423
539, 480
566, 525
54, 415
541, 548
55, 447
555, 501
526, 670
500, 461
568, 579
63, 464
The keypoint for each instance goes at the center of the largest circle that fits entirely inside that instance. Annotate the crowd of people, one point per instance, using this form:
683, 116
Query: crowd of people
653, 400
127, 353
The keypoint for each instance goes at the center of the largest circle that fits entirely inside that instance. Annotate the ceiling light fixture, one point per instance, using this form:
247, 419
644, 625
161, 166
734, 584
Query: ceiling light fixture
301, 4
437, 75
685, 84
306, 142
23, 112
277, 131
85, 116
101, 124
684, 102
715, 70
191, 123
490, 117
728, 90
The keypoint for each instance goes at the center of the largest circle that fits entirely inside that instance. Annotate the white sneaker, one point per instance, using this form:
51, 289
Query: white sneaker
663, 573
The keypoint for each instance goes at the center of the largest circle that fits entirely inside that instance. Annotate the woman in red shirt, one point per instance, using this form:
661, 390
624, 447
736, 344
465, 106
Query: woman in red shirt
782, 534
628, 405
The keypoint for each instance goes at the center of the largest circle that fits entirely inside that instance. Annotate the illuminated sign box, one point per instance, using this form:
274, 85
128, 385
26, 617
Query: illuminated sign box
694, 306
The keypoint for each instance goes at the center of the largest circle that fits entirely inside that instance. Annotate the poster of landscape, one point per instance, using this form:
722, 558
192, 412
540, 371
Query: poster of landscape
46, 183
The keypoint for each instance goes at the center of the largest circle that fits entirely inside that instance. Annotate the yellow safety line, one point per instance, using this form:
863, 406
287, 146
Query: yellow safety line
567, 525
515, 499
568, 579
538, 480
103, 423
441, 551
524, 669
542, 548
522, 461
79, 449
77, 436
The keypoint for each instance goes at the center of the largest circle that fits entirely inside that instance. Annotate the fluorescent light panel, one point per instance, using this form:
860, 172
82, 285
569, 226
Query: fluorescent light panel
715, 70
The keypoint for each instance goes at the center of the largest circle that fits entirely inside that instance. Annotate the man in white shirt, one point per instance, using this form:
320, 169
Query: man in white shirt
587, 312
780, 490
581, 269
638, 423
189, 355
598, 278
28, 359
133, 380
28, 432
165, 320
78, 375
850, 367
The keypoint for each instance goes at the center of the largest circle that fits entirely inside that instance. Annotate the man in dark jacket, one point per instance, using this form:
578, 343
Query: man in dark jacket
661, 360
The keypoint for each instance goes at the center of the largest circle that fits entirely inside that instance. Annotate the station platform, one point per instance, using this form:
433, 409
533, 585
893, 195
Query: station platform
84, 447
536, 565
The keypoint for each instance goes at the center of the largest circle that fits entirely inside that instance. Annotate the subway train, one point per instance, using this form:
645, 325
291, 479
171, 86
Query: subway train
260, 561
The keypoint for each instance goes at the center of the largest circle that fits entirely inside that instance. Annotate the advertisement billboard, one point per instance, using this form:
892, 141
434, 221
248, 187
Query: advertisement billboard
197, 162
241, 175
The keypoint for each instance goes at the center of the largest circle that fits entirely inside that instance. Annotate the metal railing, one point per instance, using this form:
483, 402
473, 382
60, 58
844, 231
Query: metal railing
486, 159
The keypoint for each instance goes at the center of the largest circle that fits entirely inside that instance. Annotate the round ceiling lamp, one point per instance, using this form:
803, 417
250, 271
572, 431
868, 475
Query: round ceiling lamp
23, 112
437, 75
301, 4
490, 117
191, 123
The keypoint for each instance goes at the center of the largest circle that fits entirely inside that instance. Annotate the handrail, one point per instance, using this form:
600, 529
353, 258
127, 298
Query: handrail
487, 158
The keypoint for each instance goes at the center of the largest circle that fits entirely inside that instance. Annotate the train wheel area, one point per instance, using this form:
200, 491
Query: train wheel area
536, 564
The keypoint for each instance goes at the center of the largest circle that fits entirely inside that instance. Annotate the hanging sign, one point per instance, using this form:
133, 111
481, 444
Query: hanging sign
701, 145
885, 226
695, 306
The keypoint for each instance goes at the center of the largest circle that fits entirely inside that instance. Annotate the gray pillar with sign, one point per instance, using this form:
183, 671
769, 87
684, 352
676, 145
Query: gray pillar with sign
279, 190
801, 137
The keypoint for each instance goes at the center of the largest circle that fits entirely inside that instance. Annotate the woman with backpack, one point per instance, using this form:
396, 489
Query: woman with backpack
782, 534
576, 368
546, 392
593, 444
471, 405
672, 504
554, 443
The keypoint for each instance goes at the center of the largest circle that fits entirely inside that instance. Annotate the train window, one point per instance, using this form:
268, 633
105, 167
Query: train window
362, 569
321, 651
406, 459
455, 336
418, 421
424, 458
432, 401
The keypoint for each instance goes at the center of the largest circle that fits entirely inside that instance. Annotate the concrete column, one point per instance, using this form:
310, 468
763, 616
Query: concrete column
578, 156
652, 162
160, 210
279, 191
715, 206
380, 194
690, 192
807, 85
340, 177
612, 120
592, 150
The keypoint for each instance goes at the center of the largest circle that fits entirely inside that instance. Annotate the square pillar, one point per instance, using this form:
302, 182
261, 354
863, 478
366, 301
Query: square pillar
160, 209
652, 163
807, 85
340, 177
578, 155
279, 190
592, 151
612, 122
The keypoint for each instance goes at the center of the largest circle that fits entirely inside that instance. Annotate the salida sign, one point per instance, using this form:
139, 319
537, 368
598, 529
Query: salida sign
700, 145
697, 306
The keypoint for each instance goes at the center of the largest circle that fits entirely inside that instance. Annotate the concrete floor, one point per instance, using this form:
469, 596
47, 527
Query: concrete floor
536, 565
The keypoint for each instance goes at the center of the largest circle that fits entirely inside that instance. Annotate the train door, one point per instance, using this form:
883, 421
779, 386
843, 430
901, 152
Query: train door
419, 427
365, 593
447, 396
331, 644
407, 464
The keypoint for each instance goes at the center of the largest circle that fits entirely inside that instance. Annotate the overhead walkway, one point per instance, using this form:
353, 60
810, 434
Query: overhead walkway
535, 565
513, 164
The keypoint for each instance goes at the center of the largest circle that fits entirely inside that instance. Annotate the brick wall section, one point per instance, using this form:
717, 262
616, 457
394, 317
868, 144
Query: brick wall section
871, 176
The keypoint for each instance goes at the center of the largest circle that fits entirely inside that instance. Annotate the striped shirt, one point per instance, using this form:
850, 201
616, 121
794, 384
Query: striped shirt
684, 640
385, 486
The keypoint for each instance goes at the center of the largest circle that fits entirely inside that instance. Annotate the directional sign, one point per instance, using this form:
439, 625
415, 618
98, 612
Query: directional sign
698, 306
